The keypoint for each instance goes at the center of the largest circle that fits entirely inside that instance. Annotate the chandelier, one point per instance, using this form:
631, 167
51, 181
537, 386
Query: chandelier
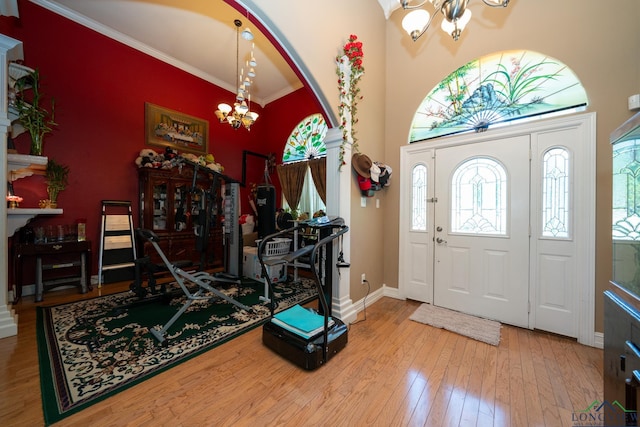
240, 114
455, 16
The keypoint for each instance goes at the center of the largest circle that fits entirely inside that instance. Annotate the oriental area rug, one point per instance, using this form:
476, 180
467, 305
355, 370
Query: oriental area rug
477, 328
89, 350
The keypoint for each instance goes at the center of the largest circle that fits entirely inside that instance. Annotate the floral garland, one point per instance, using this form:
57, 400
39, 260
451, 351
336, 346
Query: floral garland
349, 70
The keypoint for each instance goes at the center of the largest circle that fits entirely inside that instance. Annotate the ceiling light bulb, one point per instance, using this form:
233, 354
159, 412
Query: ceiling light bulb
252, 72
415, 22
247, 34
225, 108
464, 19
253, 62
496, 3
455, 28
242, 108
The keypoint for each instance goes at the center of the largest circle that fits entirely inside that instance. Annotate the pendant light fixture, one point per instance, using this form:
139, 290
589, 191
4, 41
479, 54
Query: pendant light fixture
240, 114
455, 16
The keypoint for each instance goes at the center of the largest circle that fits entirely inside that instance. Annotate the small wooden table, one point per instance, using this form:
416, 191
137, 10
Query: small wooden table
68, 255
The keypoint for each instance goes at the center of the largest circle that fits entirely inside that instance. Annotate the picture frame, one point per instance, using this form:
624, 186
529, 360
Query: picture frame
169, 128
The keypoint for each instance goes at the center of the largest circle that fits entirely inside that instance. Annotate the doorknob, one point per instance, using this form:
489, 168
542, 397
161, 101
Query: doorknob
440, 240
438, 228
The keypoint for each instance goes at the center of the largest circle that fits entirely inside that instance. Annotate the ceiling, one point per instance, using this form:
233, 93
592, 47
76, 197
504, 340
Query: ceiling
198, 36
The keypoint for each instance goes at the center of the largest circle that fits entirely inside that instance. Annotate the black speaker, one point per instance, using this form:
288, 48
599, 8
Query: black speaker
266, 201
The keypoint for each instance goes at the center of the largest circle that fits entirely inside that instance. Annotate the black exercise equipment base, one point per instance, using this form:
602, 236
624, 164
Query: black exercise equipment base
306, 353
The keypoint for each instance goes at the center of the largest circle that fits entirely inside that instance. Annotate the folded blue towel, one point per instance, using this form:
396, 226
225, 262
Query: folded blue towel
302, 319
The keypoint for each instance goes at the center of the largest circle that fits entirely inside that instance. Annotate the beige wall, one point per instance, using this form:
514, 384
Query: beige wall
318, 34
601, 44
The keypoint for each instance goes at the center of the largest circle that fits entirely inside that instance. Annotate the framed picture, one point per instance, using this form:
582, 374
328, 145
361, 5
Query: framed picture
168, 128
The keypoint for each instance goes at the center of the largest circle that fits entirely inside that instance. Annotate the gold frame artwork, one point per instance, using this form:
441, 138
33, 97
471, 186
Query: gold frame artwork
168, 128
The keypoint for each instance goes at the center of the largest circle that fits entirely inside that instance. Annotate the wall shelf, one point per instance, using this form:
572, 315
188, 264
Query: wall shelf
23, 165
19, 217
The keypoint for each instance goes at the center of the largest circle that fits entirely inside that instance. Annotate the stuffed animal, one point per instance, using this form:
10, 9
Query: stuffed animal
170, 153
147, 158
170, 158
210, 162
217, 167
191, 157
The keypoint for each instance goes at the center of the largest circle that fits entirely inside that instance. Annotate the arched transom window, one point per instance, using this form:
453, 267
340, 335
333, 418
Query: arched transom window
306, 141
497, 88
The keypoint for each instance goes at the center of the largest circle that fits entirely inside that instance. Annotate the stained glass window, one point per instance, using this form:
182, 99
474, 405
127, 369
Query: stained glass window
626, 190
479, 198
419, 198
497, 88
307, 140
555, 193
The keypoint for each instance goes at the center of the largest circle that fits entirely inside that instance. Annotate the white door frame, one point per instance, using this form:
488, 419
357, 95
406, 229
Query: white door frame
584, 189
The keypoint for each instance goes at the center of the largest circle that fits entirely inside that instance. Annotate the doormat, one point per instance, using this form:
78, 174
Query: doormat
484, 330
92, 349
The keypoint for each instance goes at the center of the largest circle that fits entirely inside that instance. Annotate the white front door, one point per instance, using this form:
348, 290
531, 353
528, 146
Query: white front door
482, 229
549, 214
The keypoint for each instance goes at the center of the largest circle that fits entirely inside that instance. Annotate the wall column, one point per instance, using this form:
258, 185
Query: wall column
10, 50
339, 204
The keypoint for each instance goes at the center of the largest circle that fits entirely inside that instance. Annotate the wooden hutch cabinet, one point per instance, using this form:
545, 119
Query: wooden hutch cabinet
170, 209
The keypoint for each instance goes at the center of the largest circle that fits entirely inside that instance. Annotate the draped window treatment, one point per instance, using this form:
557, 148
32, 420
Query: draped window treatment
319, 173
291, 177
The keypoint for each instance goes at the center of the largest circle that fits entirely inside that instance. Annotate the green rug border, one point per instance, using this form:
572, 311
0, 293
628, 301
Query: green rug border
50, 410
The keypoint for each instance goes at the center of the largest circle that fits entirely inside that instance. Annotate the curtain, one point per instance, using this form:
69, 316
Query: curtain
291, 177
319, 173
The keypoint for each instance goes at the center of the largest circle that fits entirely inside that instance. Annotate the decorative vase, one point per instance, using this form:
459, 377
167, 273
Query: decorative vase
53, 196
36, 145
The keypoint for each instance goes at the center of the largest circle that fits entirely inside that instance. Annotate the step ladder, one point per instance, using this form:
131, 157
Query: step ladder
117, 243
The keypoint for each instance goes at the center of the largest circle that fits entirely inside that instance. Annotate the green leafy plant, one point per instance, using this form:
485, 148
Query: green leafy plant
37, 120
57, 177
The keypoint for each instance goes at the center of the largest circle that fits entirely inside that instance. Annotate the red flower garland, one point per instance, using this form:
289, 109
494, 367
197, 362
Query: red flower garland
353, 51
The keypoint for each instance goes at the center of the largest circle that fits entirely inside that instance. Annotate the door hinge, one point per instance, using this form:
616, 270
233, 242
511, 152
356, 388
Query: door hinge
432, 200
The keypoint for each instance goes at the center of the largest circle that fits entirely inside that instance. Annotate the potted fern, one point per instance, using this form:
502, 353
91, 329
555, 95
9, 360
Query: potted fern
57, 177
34, 118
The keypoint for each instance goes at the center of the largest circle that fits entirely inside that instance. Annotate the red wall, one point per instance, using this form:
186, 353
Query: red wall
100, 87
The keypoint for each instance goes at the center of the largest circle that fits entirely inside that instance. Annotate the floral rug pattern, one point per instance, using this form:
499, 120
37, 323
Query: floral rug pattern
94, 348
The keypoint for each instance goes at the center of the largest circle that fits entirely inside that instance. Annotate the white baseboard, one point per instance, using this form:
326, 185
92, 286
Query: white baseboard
598, 340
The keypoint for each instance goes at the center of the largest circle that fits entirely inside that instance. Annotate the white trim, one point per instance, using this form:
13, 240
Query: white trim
339, 204
598, 340
10, 49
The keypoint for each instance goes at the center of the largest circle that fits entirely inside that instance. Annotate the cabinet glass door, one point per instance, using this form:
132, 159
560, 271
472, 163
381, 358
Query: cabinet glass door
181, 212
160, 206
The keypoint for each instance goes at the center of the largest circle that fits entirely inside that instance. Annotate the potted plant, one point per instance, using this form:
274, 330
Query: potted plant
57, 177
33, 117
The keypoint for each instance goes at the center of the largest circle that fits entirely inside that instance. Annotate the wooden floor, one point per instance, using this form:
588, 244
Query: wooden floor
393, 372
